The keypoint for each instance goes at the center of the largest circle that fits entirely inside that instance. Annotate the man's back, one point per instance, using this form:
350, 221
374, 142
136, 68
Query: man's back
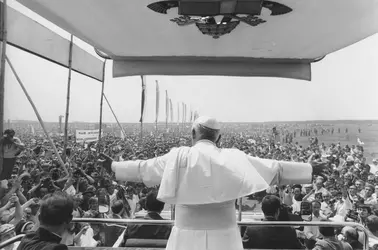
41, 240
331, 244
271, 238
148, 231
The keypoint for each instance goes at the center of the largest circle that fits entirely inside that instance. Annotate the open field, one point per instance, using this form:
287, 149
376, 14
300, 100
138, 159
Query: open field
368, 135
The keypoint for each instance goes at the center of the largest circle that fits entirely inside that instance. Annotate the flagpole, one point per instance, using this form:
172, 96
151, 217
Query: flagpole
3, 55
166, 109
122, 130
157, 107
142, 106
101, 102
68, 100
37, 114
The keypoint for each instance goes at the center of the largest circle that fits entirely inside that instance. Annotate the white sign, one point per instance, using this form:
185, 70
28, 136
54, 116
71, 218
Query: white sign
86, 136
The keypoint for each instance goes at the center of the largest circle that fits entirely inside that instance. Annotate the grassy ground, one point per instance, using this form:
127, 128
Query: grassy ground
368, 135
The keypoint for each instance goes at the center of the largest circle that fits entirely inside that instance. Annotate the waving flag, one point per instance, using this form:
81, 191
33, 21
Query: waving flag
157, 101
166, 108
178, 113
171, 106
143, 98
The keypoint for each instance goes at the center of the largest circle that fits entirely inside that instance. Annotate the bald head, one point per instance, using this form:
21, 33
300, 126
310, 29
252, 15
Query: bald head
206, 128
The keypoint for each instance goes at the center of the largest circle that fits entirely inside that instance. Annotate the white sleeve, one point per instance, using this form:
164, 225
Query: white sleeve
281, 172
149, 172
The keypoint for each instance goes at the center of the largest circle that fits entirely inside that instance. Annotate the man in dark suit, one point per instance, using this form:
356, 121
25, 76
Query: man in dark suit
271, 237
154, 208
55, 215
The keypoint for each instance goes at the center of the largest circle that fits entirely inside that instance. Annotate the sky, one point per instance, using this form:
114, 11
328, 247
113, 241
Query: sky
343, 87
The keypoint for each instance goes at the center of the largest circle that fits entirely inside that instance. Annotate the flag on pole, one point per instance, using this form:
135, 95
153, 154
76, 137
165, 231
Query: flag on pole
186, 114
183, 112
191, 115
178, 113
157, 101
166, 107
171, 109
195, 115
143, 98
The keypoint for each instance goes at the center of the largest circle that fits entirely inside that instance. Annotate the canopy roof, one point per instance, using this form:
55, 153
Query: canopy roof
142, 39
28, 35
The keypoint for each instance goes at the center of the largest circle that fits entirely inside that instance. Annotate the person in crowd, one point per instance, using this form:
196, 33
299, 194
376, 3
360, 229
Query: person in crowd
44, 174
330, 240
271, 237
204, 181
154, 208
7, 232
312, 233
10, 147
350, 235
55, 216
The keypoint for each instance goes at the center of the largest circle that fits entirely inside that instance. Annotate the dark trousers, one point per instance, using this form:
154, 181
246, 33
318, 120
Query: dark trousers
8, 165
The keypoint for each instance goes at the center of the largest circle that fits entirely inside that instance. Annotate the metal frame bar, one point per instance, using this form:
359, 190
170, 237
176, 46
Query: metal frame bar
170, 222
239, 223
11, 241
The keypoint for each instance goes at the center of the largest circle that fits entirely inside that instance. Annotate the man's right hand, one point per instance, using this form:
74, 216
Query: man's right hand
106, 162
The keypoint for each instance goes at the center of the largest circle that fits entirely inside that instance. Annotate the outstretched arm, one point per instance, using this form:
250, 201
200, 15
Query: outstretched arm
282, 173
150, 172
287, 173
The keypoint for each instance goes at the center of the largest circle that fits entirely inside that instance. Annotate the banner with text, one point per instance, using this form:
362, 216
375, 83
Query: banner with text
83, 136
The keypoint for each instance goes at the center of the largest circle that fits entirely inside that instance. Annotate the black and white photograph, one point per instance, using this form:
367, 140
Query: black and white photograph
188, 124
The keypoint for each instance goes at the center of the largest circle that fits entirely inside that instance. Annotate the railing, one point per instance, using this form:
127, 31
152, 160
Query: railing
253, 224
240, 223
11, 241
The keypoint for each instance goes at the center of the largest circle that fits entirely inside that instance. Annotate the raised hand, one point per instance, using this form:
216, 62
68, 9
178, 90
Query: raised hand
320, 168
106, 162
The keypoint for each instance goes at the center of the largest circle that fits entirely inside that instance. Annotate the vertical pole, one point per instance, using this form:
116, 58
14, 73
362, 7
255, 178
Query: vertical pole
38, 116
101, 102
119, 124
68, 100
240, 209
3, 54
141, 130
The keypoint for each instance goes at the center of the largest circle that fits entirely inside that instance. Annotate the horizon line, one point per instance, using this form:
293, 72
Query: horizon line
175, 123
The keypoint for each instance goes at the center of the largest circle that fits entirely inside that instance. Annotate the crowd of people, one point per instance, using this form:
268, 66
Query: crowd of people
348, 193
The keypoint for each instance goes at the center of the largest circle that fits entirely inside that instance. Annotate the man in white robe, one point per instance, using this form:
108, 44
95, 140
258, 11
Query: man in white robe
203, 182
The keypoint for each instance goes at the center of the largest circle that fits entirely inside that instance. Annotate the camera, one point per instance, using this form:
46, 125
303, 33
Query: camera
352, 214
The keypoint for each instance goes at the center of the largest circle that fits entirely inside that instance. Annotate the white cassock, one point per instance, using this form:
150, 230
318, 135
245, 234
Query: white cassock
203, 182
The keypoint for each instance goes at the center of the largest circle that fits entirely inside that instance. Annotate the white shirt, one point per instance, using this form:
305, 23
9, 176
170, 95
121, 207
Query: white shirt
343, 206
313, 231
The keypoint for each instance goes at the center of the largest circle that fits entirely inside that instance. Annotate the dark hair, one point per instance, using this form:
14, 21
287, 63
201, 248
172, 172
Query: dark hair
327, 231
56, 209
117, 206
372, 223
315, 201
152, 203
270, 205
9, 132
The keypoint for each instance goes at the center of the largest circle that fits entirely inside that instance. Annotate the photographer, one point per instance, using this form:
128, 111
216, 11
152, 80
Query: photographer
10, 147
